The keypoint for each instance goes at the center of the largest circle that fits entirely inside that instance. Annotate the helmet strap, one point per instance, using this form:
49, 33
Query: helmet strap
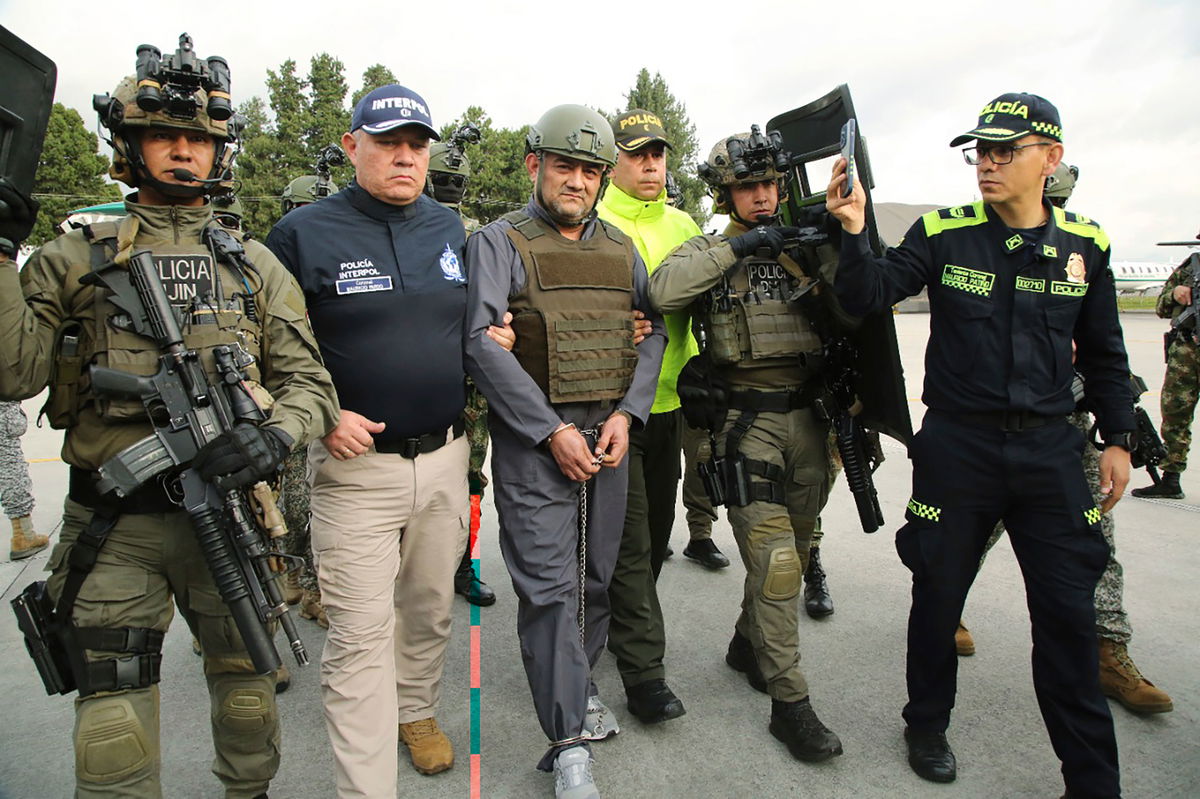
142, 176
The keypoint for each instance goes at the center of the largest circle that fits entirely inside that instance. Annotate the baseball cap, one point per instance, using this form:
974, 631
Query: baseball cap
1013, 115
636, 128
390, 107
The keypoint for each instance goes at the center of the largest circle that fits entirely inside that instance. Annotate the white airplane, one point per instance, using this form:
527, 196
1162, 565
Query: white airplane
1136, 277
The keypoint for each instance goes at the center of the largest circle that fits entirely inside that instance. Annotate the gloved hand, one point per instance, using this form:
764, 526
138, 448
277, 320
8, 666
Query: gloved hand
242, 457
17, 216
762, 236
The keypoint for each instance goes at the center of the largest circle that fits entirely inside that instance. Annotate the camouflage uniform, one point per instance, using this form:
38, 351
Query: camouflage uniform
1181, 384
16, 489
475, 416
1111, 620
293, 504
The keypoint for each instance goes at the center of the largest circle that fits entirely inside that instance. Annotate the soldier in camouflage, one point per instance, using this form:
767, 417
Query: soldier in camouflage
1181, 385
16, 489
446, 182
1120, 678
301, 585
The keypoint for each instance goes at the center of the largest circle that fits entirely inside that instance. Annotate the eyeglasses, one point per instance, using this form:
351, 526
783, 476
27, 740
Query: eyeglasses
443, 179
999, 153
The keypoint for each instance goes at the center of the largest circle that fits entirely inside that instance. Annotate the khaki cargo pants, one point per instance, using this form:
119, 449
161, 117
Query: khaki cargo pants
147, 560
774, 539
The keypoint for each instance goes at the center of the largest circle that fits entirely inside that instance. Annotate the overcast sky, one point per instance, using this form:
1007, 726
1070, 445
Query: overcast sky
1124, 75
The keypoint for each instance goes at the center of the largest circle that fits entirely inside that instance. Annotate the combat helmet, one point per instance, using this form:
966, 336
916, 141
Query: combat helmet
227, 210
301, 191
575, 131
196, 98
449, 171
1059, 186
741, 159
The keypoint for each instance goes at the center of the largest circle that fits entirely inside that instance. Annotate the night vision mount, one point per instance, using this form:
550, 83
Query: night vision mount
169, 85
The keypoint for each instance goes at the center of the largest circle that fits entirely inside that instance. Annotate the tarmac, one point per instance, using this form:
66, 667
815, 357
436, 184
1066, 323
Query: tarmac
854, 662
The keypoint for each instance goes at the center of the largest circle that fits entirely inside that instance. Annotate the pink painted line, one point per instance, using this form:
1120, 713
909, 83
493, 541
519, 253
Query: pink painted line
475, 657
476, 786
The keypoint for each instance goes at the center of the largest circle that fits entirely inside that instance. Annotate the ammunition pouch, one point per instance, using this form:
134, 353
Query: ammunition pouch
62, 405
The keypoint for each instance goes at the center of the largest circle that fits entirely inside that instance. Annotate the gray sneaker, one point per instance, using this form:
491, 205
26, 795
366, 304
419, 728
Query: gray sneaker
600, 722
573, 775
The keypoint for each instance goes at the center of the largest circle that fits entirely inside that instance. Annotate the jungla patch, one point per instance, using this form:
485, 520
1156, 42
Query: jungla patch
972, 281
451, 267
1076, 269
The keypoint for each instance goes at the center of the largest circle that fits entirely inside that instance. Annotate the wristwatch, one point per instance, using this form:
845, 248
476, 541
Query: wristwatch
1122, 440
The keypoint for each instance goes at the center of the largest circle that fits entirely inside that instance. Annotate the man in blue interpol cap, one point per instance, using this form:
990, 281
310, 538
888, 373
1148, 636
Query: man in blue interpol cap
381, 267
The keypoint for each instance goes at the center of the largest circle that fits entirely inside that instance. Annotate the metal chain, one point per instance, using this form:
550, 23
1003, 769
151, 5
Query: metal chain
582, 548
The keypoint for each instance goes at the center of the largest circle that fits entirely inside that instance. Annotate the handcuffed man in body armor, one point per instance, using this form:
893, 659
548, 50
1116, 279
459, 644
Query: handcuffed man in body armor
756, 313
59, 322
561, 405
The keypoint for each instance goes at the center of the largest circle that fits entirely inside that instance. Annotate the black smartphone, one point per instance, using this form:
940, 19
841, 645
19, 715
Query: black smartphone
849, 134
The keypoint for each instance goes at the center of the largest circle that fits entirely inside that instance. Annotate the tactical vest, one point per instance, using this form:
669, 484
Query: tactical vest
573, 317
103, 334
748, 327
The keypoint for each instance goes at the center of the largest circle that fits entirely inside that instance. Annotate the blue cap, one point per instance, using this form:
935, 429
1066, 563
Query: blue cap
391, 107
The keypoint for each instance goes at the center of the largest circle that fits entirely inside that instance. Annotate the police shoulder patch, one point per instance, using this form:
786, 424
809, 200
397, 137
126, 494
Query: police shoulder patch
959, 216
1080, 225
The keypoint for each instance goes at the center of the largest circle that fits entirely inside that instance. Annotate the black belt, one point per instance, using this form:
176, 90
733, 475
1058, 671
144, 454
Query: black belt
150, 498
1008, 421
769, 401
420, 445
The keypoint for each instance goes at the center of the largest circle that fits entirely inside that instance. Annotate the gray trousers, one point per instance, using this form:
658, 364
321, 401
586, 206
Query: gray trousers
538, 510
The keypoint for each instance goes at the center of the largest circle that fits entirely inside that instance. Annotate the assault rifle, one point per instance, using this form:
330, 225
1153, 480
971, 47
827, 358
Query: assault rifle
188, 412
1186, 326
1148, 448
838, 403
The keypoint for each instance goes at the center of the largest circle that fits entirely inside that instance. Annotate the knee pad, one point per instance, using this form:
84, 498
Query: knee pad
111, 742
783, 574
245, 704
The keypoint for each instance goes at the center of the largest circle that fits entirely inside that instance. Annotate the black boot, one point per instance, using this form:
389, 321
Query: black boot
817, 601
1167, 488
741, 658
797, 725
473, 589
705, 553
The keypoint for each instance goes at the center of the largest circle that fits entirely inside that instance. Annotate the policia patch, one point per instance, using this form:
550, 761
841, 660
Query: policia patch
185, 277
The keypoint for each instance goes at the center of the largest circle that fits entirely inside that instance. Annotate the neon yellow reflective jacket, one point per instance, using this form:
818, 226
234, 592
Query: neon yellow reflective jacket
656, 229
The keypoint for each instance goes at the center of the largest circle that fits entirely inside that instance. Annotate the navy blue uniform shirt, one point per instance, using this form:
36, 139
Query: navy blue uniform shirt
386, 292
1004, 308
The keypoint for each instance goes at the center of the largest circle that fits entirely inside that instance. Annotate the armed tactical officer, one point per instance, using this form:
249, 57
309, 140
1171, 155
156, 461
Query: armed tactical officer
449, 172
57, 324
1012, 282
760, 343
561, 404
1177, 301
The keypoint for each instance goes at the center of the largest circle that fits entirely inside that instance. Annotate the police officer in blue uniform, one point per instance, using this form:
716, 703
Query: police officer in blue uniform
1012, 283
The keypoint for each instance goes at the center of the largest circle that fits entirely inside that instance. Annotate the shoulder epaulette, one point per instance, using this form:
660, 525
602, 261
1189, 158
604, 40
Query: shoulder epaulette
1080, 225
959, 216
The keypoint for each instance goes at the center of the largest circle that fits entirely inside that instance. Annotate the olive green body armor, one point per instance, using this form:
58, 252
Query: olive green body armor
573, 317
752, 333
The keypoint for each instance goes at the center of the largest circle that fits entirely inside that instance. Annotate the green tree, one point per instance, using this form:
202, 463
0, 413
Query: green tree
373, 77
70, 173
498, 183
653, 94
305, 115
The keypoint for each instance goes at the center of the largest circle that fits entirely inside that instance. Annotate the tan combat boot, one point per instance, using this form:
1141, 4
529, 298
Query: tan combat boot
1121, 680
964, 644
25, 541
310, 608
428, 746
292, 592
